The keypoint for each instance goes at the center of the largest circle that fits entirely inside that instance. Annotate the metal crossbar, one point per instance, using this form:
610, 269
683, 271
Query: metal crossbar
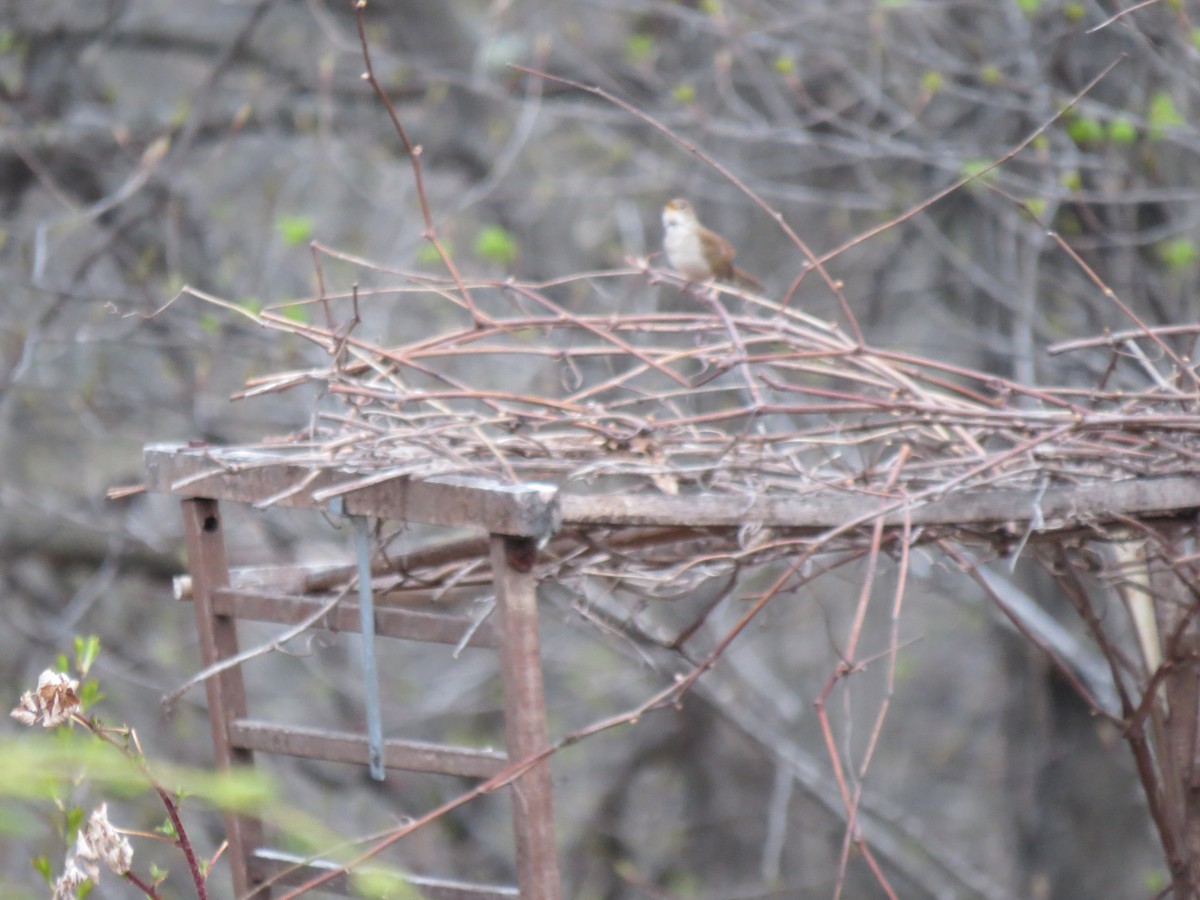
286, 869
222, 597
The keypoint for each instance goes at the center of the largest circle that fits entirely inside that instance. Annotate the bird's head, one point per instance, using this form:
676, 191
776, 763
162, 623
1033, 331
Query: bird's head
678, 212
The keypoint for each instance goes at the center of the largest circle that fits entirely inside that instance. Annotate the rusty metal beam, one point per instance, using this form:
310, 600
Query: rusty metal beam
1056, 508
345, 747
390, 621
281, 479
537, 511
525, 716
226, 692
1178, 747
397, 590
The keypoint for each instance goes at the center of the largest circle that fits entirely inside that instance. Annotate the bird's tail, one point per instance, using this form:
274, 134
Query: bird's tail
745, 279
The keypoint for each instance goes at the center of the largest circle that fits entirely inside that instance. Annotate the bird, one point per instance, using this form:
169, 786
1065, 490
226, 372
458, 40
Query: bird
696, 252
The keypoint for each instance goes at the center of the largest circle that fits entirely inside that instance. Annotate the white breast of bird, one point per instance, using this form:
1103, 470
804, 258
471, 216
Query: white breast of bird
681, 243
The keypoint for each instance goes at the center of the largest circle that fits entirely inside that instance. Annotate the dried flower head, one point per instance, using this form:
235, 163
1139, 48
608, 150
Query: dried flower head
100, 841
73, 877
97, 842
53, 703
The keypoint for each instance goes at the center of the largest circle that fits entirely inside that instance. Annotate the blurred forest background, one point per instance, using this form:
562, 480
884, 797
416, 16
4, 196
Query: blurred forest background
145, 145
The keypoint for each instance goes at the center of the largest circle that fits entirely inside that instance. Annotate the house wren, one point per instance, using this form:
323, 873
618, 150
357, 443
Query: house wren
696, 252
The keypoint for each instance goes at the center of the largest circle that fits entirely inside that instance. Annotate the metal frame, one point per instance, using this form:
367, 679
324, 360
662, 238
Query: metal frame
517, 520
529, 511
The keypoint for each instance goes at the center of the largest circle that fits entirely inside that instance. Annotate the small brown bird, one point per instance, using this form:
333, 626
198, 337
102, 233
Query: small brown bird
696, 252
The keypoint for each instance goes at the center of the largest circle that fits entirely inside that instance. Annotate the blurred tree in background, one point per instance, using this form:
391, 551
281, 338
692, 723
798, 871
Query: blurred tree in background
145, 145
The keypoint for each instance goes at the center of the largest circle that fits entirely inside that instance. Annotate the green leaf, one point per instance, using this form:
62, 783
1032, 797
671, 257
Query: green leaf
75, 816
295, 312
784, 64
41, 865
428, 254
977, 168
1122, 131
1155, 881
180, 113
86, 651
1029, 7
1178, 253
172, 283
990, 75
685, 92
62, 663
496, 244
639, 47
89, 693
1085, 130
1037, 206
1072, 180
931, 82
295, 229
1196, 38
1162, 114
168, 828
1074, 12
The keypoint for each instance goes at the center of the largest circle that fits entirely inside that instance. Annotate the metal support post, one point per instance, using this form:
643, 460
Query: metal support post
525, 716
226, 691
366, 613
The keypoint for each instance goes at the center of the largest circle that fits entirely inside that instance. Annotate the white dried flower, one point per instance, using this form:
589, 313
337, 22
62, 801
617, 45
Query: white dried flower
98, 840
52, 704
73, 877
